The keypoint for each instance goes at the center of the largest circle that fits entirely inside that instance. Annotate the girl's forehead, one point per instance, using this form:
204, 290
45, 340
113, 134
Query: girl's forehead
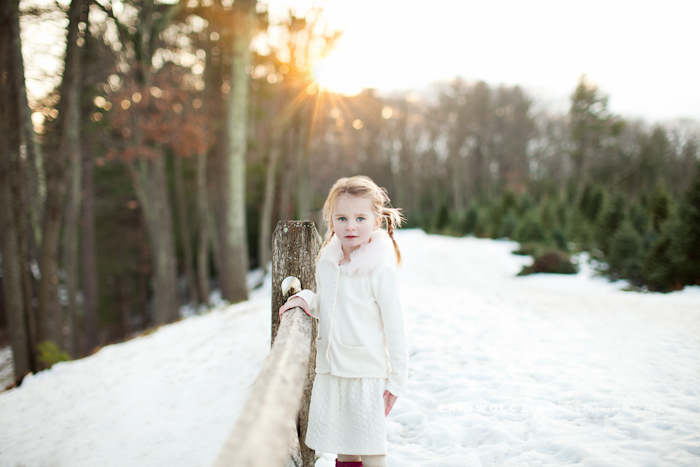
349, 204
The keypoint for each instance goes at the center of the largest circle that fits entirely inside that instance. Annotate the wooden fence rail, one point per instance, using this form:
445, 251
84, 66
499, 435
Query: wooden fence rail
274, 418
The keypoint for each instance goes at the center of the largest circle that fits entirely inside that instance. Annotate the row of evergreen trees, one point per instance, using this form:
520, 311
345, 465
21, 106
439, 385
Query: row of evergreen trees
652, 240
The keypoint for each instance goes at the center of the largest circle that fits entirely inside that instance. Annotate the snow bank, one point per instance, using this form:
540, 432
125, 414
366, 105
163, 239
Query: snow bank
168, 398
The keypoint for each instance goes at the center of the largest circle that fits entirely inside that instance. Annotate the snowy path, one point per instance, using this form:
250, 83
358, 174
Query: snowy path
502, 367
542, 370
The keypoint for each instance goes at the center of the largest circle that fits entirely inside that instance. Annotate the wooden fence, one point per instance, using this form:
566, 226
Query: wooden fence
272, 426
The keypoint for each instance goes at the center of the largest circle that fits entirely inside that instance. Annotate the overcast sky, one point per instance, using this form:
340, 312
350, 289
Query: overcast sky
643, 54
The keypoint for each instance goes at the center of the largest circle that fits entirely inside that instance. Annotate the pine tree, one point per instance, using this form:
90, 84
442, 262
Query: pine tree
625, 256
685, 244
471, 220
609, 223
508, 225
443, 218
674, 260
658, 270
639, 218
529, 230
660, 206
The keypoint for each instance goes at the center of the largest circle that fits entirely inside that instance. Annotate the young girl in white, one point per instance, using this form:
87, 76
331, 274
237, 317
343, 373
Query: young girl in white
362, 351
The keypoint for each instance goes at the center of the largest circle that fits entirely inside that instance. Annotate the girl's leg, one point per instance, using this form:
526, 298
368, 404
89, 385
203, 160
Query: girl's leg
374, 461
346, 458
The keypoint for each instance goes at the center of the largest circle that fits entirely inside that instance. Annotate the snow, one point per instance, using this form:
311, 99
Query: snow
539, 370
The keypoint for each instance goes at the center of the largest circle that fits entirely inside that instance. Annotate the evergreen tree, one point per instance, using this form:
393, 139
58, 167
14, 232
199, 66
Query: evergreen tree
589, 122
443, 217
685, 244
471, 220
639, 218
660, 206
529, 230
625, 256
658, 270
558, 239
611, 220
508, 225
654, 153
592, 202
525, 204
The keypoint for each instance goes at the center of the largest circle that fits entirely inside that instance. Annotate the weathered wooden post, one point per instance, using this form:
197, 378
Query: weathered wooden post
274, 419
295, 246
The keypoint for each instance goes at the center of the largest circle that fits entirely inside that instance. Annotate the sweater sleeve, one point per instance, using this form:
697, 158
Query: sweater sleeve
386, 292
311, 298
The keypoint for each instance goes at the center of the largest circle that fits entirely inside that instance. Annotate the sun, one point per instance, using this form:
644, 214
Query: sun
339, 73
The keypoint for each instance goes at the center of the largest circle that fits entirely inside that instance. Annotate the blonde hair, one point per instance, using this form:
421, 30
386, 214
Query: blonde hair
363, 187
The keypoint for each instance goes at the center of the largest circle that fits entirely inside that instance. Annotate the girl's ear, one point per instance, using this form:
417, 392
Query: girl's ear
377, 223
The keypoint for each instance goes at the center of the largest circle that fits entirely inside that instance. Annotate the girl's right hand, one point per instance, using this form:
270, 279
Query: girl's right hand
294, 302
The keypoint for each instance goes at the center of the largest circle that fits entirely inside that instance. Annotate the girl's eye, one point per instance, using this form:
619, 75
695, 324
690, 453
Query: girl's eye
341, 219
360, 219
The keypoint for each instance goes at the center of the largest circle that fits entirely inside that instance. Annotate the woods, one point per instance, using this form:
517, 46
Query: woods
179, 134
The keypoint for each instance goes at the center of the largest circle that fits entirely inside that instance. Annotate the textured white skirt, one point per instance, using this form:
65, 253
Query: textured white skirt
346, 415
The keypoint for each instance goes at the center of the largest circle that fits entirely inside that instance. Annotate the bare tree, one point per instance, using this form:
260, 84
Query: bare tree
235, 260
11, 205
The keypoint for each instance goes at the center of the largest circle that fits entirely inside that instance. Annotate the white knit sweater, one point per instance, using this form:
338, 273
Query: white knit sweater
361, 330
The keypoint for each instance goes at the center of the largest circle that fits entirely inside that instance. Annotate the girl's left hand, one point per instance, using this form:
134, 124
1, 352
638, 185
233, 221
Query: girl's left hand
389, 401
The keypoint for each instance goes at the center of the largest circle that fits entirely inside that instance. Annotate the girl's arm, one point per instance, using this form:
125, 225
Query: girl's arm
309, 301
385, 286
293, 302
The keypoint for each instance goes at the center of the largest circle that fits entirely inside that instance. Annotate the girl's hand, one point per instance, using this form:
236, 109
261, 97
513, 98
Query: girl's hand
293, 303
389, 401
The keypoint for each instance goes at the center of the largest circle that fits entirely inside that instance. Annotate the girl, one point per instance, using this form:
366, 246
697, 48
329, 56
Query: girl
362, 352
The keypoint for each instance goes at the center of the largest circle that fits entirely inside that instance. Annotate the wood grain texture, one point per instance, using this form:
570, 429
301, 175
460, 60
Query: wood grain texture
261, 436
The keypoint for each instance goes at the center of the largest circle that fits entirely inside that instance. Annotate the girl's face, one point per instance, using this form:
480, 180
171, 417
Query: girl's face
353, 222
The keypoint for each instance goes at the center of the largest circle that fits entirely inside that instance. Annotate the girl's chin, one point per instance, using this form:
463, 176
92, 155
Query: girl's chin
353, 241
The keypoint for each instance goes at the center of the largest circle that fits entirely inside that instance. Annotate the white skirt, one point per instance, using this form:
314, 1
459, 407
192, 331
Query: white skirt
346, 415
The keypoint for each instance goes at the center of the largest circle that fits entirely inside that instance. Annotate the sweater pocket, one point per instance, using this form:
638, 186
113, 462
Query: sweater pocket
353, 361
352, 347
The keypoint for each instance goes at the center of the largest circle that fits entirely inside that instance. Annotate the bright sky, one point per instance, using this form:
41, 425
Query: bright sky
643, 54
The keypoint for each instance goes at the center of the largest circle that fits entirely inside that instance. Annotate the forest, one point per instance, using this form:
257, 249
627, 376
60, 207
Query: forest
155, 171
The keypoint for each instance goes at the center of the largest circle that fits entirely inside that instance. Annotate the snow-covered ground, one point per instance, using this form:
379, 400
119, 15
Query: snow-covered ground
541, 370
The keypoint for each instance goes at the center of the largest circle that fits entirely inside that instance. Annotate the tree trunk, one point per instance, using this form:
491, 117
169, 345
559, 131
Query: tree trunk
216, 247
49, 307
236, 251
123, 311
163, 247
456, 174
89, 257
9, 161
152, 191
70, 252
184, 228
218, 202
269, 200
289, 171
9, 248
49, 312
144, 272
203, 218
35, 176
303, 188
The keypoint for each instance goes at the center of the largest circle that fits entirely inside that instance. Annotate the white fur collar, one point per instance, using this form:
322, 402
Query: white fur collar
364, 259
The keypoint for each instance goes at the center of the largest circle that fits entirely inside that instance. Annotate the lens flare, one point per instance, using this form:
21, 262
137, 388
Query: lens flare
333, 74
